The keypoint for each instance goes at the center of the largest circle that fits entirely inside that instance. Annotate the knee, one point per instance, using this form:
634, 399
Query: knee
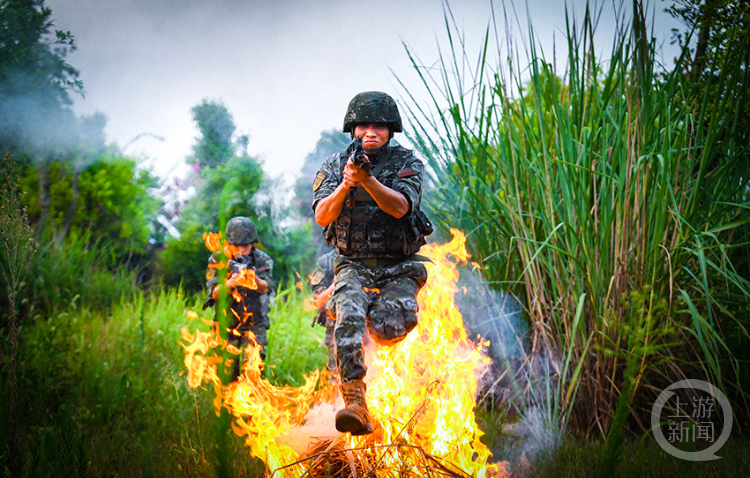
391, 322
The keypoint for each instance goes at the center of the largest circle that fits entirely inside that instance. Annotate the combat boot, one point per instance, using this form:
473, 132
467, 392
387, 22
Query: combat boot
355, 418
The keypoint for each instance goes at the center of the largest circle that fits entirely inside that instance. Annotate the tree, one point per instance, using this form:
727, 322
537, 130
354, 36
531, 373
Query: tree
717, 69
216, 126
104, 195
35, 79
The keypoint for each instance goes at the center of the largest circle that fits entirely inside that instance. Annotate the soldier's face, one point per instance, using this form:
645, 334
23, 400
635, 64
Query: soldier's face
374, 135
244, 249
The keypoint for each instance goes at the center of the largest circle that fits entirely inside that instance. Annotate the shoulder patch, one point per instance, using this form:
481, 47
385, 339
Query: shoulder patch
406, 172
317, 278
318, 180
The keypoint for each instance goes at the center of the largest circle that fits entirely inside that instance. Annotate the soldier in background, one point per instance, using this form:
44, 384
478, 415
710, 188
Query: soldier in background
321, 283
248, 308
369, 207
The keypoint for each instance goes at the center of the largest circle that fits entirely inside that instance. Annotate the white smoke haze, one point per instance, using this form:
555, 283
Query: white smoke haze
533, 429
286, 70
320, 425
492, 314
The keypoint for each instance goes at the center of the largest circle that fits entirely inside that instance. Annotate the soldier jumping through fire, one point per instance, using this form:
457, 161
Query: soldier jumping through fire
367, 198
248, 308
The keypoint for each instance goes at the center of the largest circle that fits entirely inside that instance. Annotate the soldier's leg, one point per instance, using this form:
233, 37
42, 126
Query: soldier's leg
349, 305
393, 313
329, 343
237, 341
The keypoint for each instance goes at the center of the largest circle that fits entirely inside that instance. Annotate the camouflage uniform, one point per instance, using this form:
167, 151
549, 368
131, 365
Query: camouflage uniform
322, 275
250, 313
376, 253
320, 280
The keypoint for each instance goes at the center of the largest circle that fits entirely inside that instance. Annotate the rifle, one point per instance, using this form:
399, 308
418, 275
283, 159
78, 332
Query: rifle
250, 302
238, 263
359, 158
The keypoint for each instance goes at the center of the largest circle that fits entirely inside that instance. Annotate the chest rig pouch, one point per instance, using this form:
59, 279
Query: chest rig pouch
365, 230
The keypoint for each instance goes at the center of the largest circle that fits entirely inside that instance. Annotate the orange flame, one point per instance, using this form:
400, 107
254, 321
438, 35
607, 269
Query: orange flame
213, 240
246, 278
310, 305
230, 250
421, 392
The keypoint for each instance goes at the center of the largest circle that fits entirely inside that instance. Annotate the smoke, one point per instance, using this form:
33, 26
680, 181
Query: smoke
319, 426
492, 315
45, 128
522, 383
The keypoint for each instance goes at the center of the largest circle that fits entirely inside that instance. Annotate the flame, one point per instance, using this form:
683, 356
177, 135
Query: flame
213, 240
421, 392
310, 305
230, 250
246, 278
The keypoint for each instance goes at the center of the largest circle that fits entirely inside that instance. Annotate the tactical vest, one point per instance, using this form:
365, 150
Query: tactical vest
364, 230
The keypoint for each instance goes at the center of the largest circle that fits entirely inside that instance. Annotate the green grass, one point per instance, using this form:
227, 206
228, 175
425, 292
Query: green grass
585, 458
111, 383
606, 198
291, 327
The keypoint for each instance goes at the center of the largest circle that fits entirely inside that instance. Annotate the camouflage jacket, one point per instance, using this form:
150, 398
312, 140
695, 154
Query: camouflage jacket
263, 265
398, 169
322, 275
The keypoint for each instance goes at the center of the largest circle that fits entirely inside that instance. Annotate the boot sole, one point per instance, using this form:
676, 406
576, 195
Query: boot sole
352, 425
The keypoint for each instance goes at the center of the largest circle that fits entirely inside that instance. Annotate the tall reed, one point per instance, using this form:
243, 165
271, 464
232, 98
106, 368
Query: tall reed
607, 200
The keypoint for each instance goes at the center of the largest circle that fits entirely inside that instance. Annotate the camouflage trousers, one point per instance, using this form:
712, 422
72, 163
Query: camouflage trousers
381, 300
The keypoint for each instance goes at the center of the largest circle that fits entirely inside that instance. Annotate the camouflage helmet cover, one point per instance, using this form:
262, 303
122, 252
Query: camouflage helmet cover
372, 107
241, 230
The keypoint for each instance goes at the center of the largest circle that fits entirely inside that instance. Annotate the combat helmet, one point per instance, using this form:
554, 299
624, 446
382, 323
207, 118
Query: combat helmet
372, 107
241, 230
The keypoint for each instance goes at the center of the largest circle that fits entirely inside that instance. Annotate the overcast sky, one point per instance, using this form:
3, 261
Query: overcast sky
285, 69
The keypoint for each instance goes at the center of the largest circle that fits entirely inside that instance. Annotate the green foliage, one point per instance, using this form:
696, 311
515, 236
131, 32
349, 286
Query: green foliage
295, 348
599, 199
17, 245
77, 272
225, 191
34, 76
17, 248
579, 457
112, 204
234, 186
110, 384
216, 126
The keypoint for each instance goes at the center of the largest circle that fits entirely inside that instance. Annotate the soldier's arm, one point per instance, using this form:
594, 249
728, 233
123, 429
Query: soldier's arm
409, 182
391, 202
329, 208
329, 192
322, 297
263, 274
262, 285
